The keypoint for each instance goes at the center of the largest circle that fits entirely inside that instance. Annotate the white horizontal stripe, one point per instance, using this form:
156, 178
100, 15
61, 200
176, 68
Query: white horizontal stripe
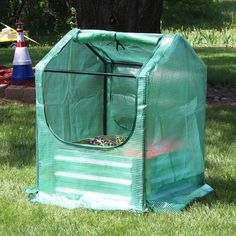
22, 63
100, 195
95, 162
93, 177
22, 57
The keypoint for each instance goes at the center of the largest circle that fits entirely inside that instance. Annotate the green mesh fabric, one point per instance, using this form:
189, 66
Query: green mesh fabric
149, 89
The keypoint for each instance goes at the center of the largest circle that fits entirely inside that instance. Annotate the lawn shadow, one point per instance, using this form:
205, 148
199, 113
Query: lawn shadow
225, 191
223, 121
221, 71
220, 65
221, 136
17, 137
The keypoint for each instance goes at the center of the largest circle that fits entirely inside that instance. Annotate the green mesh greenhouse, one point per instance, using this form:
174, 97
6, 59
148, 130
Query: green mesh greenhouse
148, 90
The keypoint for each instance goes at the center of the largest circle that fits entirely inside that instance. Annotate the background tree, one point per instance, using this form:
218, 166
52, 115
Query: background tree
120, 15
185, 13
54, 18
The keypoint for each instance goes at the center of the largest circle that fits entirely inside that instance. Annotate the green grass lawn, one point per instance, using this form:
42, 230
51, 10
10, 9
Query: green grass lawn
36, 53
221, 65
212, 215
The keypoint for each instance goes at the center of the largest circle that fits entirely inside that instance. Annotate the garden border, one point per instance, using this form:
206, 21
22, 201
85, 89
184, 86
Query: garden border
25, 94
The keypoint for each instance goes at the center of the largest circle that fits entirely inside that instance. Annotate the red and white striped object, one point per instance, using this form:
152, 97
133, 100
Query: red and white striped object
22, 64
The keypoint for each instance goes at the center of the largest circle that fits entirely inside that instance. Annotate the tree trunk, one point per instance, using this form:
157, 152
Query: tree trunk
120, 15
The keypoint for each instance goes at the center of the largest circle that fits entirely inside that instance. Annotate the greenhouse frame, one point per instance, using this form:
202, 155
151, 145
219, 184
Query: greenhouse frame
148, 90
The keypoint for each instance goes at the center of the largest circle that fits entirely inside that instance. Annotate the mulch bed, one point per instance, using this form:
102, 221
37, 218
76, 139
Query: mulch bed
105, 140
5, 78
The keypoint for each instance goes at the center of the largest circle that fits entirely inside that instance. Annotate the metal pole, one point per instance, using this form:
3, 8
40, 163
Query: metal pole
90, 73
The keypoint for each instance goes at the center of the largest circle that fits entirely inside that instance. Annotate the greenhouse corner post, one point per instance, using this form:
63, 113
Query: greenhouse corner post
139, 163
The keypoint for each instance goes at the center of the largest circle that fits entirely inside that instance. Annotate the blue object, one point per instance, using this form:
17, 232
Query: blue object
22, 73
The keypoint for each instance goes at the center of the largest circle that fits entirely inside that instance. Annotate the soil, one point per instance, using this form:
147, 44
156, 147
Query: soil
4, 101
218, 96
